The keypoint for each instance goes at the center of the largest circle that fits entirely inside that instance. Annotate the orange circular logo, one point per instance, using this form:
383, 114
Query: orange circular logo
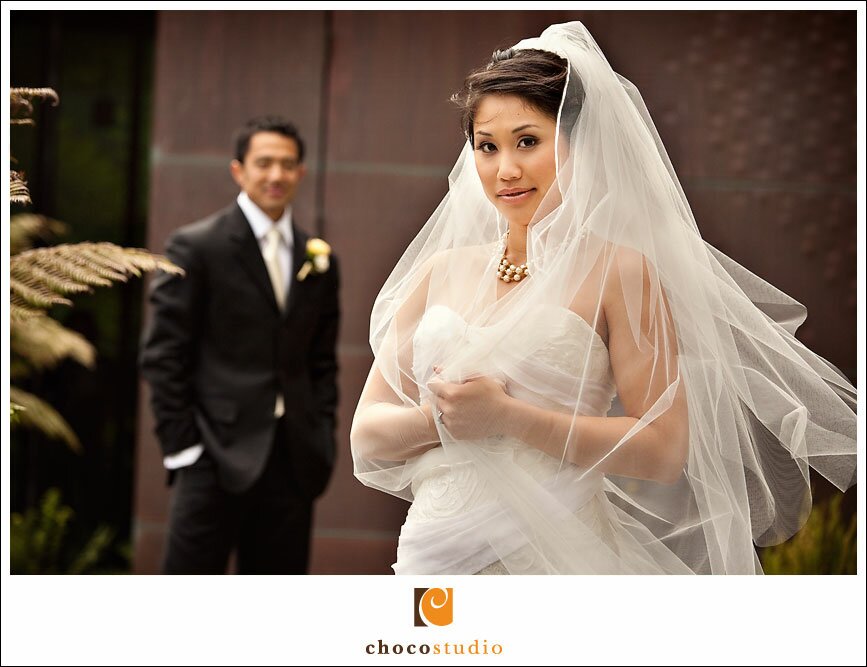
435, 605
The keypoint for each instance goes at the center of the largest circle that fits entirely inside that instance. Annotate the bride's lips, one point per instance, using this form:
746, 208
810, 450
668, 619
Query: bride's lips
515, 195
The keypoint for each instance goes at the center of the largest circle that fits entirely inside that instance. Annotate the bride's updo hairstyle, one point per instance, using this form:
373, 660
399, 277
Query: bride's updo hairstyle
536, 76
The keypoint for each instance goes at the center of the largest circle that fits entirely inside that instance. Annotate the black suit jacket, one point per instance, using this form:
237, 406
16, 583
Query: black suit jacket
218, 350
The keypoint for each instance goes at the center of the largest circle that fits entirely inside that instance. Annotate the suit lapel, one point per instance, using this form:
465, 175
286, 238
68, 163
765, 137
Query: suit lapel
249, 254
299, 256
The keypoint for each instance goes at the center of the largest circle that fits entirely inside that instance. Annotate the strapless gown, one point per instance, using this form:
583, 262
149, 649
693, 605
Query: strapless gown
458, 522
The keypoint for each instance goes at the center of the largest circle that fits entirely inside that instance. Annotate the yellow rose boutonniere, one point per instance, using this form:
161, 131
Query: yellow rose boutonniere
317, 258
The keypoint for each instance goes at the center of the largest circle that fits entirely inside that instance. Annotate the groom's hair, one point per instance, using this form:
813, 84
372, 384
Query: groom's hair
276, 124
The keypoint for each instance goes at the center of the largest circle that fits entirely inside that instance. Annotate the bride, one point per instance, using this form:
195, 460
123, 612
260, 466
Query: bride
567, 378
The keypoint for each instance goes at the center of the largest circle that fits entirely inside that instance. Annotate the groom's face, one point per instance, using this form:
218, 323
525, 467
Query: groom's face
270, 172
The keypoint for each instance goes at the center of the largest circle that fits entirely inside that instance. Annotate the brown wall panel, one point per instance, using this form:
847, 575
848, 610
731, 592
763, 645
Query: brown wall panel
216, 69
370, 223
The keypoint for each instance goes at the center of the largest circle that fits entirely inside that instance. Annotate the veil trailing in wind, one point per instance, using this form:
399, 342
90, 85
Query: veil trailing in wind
692, 414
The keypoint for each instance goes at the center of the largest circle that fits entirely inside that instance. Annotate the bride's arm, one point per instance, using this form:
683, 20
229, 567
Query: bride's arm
388, 426
385, 430
646, 376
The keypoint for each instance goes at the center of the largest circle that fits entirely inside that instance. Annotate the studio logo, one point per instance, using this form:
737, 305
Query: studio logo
433, 606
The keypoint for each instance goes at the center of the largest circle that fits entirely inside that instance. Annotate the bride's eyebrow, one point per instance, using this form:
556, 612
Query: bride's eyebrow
524, 127
515, 131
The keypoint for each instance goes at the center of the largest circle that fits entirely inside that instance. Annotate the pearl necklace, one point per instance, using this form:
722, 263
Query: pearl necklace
508, 272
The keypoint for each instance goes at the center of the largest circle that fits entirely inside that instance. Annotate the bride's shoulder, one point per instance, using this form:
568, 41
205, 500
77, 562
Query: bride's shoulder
633, 282
621, 263
616, 271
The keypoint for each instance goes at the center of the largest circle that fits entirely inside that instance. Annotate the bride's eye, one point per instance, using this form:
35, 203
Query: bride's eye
486, 147
527, 142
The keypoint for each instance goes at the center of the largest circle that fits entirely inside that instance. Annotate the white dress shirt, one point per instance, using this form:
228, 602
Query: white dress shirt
260, 223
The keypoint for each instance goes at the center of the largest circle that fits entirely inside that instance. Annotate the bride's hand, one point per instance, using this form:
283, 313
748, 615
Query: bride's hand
473, 409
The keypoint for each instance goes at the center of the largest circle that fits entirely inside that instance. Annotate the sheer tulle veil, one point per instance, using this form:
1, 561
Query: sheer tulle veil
716, 341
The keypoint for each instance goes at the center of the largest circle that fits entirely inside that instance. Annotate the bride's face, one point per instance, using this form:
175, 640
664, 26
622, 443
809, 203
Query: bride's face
514, 151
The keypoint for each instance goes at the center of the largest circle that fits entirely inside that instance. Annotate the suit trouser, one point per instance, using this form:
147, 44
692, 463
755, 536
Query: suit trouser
269, 524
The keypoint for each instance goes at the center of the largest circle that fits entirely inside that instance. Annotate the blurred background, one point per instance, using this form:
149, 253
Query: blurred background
757, 111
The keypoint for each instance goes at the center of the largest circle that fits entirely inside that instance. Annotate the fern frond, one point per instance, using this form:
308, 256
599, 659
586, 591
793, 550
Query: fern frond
103, 265
33, 294
38, 277
76, 267
18, 192
57, 262
35, 413
20, 103
29, 93
55, 282
43, 342
24, 227
137, 260
21, 313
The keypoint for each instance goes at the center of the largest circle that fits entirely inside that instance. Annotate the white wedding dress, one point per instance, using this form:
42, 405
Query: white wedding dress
457, 523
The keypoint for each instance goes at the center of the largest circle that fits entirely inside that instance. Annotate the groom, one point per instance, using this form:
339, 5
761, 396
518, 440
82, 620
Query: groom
240, 357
